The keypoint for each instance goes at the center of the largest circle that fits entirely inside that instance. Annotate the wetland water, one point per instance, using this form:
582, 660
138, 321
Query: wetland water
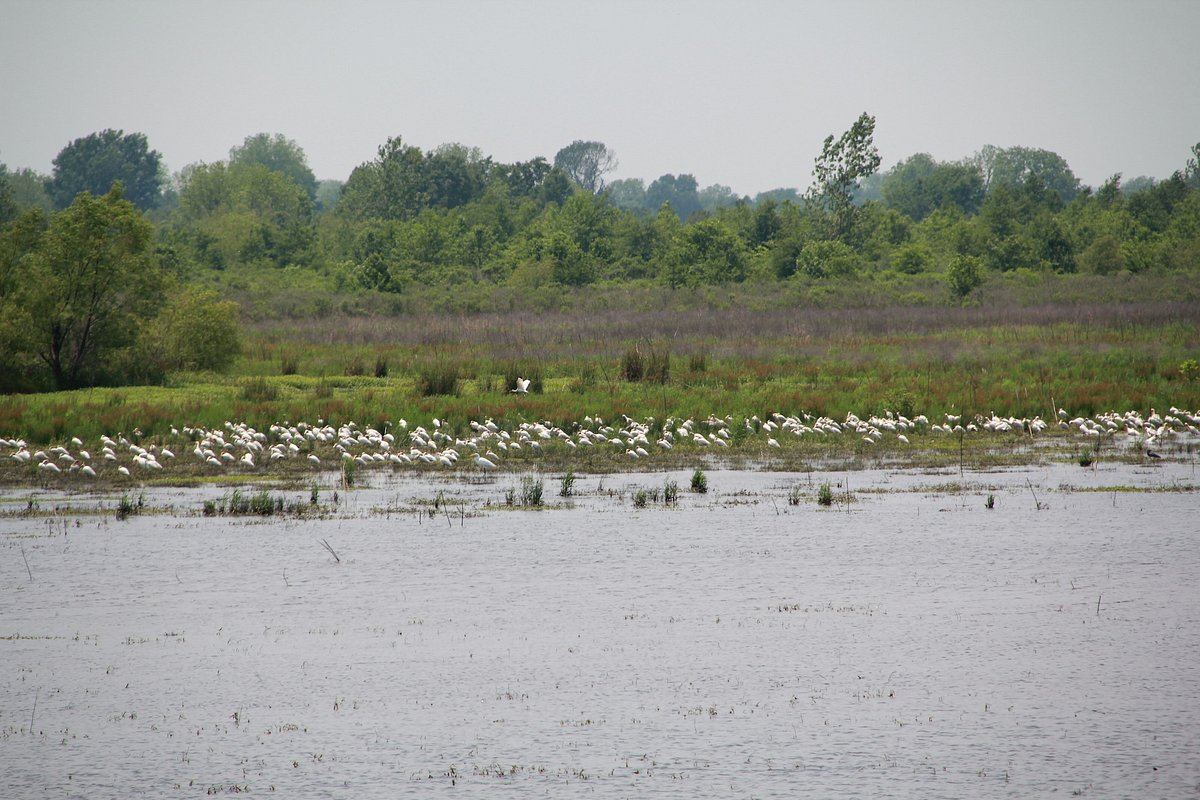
734, 646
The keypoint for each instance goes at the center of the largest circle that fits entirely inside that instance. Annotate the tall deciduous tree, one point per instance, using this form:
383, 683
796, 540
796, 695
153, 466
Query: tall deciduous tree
586, 163
842, 164
97, 161
90, 283
919, 185
278, 154
681, 192
1012, 165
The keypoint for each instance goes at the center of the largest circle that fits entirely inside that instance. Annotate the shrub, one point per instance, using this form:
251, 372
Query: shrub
195, 330
1190, 370
288, 364
262, 504
438, 379
658, 366
259, 390
699, 482
825, 495
531, 491
381, 366
698, 362
633, 366
356, 367
964, 276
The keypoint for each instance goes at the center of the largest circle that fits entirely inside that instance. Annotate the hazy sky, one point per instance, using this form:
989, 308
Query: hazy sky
737, 93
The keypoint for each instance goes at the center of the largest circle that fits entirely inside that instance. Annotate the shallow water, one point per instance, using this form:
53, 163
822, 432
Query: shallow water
910, 643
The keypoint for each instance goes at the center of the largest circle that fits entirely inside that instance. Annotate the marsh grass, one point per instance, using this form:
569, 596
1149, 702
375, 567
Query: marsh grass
1022, 351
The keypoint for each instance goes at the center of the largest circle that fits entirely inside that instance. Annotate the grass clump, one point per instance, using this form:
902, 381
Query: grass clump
671, 492
259, 390
640, 498
793, 496
633, 366
127, 506
438, 379
528, 496
699, 482
825, 495
1086, 458
567, 485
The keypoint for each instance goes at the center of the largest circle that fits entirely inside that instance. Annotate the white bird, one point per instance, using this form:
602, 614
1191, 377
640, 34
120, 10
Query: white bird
312, 459
124, 471
522, 386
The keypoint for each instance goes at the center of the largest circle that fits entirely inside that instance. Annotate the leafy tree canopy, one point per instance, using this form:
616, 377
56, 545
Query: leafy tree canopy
842, 164
97, 161
278, 154
87, 287
1010, 166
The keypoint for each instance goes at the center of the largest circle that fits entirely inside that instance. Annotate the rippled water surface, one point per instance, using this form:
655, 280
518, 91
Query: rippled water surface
911, 643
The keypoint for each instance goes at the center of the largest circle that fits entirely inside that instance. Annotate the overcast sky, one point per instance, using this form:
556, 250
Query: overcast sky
737, 93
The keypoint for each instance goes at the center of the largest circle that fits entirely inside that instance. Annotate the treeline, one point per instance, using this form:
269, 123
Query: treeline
453, 217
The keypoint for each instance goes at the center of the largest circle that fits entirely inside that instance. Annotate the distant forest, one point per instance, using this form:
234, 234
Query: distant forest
410, 219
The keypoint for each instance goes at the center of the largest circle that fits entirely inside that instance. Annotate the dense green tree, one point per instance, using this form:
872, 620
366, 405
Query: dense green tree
826, 259
1103, 256
328, 194
586, 163
29, 190
388, 187
680, 192
767, 224
842, 164
782, 195
1011, 166
708, 252
87, 288
920, 185
97, 161
1152, 208
8, 203
912, 258
628, 194
193, 330
242, 214
278, 154
716, 196
964, 276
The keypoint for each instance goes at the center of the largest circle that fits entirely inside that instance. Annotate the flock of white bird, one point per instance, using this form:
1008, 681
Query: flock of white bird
486, 445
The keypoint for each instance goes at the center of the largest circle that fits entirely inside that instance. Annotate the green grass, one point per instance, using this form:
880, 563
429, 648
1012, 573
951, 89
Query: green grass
1089, 355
